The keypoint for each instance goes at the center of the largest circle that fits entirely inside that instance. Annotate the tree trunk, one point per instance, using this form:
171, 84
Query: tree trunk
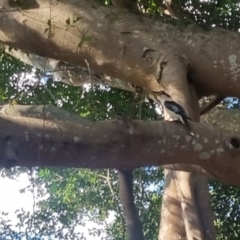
174, 79
134, 226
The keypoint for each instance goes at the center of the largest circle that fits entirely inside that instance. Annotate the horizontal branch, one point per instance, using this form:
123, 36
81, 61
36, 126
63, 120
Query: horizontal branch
44, 112
187, 168
118, 144
223, 118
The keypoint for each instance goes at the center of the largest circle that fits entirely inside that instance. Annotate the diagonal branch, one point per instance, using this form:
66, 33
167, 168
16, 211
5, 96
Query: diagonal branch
68, 73
121, 56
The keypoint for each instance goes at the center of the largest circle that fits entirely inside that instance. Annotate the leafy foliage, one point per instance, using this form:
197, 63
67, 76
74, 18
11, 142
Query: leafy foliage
226, 207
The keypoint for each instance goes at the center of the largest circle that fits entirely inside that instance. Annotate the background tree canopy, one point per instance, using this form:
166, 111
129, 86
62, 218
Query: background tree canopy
75, 196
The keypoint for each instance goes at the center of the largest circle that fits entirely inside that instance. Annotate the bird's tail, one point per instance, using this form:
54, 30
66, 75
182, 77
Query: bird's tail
186, 123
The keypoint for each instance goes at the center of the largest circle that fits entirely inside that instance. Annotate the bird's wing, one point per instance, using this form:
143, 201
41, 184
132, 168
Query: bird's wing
175, 107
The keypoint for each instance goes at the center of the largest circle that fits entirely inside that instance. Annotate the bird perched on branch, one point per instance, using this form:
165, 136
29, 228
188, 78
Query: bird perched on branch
175, 111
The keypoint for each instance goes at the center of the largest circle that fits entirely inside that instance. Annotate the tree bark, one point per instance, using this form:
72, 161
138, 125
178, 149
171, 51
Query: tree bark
121, 53
174, 80
52, 142
227, 119
134, 226
171, 222
203, 200
68, 73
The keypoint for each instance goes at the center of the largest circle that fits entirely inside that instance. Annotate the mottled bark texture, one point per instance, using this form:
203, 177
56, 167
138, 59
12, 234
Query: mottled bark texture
174, 80
49, 141
213, 67
223, 118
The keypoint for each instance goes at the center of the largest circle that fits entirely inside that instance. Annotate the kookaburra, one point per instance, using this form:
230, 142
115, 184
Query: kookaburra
175, 111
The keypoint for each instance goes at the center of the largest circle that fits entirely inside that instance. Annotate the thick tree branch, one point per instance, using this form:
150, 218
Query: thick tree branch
44, 112
224, 118
187, 168
122, 56
210, 105
70, 73
49, 112
108, 144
